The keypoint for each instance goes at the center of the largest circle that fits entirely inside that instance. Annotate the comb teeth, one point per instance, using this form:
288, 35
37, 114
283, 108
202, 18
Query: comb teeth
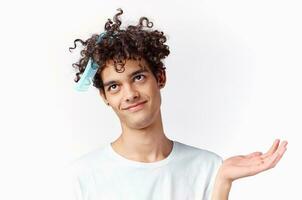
83, 84
81, 88
86, 82
89, 72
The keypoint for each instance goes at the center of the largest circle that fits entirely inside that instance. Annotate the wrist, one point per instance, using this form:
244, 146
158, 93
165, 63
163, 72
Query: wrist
221, 189
222, 179
223, 184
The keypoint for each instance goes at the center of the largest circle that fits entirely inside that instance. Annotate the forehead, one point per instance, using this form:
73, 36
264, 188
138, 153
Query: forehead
110, 73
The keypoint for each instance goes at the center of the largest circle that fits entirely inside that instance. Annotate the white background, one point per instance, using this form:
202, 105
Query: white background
233, 86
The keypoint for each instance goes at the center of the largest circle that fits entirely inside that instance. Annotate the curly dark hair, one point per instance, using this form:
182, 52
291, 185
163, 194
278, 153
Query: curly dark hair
117, 44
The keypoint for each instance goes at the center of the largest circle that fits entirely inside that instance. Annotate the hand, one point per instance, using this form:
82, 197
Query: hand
242, 166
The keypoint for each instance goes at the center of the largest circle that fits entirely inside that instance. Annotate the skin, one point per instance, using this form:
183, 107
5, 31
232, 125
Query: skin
241, 166
143, 138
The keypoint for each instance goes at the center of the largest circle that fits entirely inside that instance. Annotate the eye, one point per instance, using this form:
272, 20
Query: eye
112, 86
140, 75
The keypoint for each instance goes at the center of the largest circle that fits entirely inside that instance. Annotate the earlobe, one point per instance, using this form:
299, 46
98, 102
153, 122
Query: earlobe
161, 77
161, 85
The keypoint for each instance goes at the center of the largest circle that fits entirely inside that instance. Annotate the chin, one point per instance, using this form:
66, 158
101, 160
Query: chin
140, 124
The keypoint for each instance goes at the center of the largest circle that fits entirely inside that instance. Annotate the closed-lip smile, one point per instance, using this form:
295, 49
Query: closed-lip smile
135, 105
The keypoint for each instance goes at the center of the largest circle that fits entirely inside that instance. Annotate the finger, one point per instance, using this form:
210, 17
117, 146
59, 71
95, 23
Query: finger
259, 164
262, 164
273, 148
272, 160
276, 161
256, 158
257, 153
284, 143
280, 153
253, 159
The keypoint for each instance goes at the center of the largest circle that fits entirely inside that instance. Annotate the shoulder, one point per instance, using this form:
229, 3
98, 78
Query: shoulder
204, 156
85, 163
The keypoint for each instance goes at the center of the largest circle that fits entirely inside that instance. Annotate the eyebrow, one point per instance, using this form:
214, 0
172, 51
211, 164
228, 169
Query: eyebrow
132, 74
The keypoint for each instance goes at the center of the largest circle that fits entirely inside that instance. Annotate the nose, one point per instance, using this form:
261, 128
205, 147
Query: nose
131, 94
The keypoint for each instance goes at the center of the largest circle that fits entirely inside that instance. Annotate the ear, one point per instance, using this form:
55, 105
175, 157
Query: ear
103, 95
161, 78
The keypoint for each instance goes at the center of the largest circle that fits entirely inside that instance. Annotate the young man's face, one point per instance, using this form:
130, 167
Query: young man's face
136, 84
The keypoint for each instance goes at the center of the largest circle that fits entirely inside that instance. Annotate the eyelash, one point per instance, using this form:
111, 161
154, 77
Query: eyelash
109, 88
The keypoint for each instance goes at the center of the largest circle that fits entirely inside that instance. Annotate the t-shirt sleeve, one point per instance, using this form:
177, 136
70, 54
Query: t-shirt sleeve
76, 192
76, 189
214, 170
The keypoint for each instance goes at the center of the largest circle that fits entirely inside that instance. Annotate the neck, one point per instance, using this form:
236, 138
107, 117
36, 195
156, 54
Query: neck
149, 144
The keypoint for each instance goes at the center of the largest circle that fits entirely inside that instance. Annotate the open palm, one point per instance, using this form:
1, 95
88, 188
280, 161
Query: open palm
248, 165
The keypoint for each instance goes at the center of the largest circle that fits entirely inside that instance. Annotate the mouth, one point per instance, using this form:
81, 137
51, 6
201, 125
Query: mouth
137, 107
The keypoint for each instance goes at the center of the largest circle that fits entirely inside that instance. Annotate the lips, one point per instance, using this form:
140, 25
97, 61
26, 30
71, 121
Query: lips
135, 105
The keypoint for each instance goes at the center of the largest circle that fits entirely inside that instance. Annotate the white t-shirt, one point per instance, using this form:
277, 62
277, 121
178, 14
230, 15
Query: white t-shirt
187, 173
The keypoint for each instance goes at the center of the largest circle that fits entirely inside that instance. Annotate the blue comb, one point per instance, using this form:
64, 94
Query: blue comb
90, 71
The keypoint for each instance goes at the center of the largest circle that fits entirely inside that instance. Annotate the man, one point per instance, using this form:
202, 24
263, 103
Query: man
142, 163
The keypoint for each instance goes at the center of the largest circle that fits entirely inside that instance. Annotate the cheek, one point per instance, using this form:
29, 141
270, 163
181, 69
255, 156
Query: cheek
156, 98
114, 103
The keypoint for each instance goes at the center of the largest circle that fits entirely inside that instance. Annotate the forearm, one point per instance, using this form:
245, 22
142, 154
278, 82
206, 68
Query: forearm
221, 189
